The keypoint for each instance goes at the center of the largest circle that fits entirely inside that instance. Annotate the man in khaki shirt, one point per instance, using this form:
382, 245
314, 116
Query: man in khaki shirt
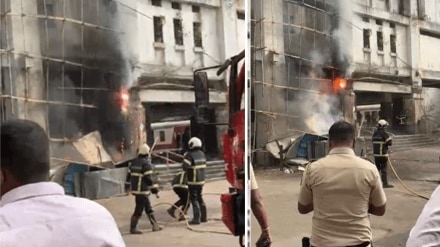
341, 189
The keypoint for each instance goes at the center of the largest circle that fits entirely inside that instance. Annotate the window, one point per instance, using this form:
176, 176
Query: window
178, 33
176, 5
240, 15
393, 43
50, 12
157, 3
379, 41
197, 30
162, 136
158, 35
196, 9
392, 25
367, 38
365, 19
401, 7
379, 22
421, 9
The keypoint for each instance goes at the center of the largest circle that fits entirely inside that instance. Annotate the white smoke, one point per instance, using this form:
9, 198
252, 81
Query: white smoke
126, 21
343, 35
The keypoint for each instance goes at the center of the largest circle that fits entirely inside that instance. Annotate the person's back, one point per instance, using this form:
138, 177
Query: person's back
54, 219
36, 212
341, 189
342, 184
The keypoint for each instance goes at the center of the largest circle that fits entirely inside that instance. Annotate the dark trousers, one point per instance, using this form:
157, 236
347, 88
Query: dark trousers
382, 166
199, 207
183, 196
142, 203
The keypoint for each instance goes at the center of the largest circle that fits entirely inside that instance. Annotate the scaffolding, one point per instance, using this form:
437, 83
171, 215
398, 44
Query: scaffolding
63, 66
295, 58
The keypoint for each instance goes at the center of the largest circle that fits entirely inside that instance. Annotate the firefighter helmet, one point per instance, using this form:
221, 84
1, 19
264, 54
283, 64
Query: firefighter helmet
382, 123
195, 143
144, 149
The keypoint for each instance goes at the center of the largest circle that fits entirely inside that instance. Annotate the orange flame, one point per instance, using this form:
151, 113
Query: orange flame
124, 98
339, 84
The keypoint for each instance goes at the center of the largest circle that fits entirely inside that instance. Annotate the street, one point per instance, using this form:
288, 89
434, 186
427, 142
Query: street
174, 233
419, 169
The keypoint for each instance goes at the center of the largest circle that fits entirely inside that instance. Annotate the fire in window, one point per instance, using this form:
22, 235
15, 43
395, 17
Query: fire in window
367, 38
197, 30
158, 34
379, 41
393, 43
178, 32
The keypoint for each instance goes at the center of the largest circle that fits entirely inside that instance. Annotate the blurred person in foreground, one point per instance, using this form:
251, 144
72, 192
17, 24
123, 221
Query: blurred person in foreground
259, 211
36, 212
342, 189
426, 231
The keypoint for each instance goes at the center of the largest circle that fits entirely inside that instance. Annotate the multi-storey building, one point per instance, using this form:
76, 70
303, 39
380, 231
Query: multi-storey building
66, 63
386, 50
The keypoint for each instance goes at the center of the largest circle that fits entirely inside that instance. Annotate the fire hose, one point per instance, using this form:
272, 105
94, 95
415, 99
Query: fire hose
403, 184
188, 226
400, 180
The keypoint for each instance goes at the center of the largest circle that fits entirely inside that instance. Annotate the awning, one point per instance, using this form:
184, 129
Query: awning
381, 87
177, 96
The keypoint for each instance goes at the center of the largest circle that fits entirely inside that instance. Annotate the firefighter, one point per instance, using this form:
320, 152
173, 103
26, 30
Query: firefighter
180, 187
141, 182
194, 165
381, 142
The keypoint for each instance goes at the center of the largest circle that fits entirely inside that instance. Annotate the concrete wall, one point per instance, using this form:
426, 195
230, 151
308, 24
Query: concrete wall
222, 37
27, 73
372, 59
429, 53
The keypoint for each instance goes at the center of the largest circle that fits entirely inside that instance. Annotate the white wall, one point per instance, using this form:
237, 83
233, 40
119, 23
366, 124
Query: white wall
432, 10
380, 59
429, 53
182, 61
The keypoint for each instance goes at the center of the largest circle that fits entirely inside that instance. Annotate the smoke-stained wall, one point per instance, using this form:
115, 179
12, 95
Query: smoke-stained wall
296, 57
86, 67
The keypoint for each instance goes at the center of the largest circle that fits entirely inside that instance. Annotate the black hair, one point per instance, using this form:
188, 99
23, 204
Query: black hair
25, 151
341, 131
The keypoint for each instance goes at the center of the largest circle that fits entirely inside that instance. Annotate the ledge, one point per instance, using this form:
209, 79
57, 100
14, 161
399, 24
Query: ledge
158, 45
179, 48
198, 49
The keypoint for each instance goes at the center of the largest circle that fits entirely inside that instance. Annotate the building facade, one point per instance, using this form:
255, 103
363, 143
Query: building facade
69, 65
383, 50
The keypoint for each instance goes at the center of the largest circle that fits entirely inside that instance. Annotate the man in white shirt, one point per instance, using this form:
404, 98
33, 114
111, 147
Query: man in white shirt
426, 231
35, 212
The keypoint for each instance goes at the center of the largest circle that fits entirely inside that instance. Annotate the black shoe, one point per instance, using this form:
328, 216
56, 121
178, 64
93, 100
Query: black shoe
194, 222
133, 223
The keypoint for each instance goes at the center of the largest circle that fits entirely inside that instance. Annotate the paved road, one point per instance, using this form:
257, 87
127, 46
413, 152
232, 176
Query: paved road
280, 193
174, 233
